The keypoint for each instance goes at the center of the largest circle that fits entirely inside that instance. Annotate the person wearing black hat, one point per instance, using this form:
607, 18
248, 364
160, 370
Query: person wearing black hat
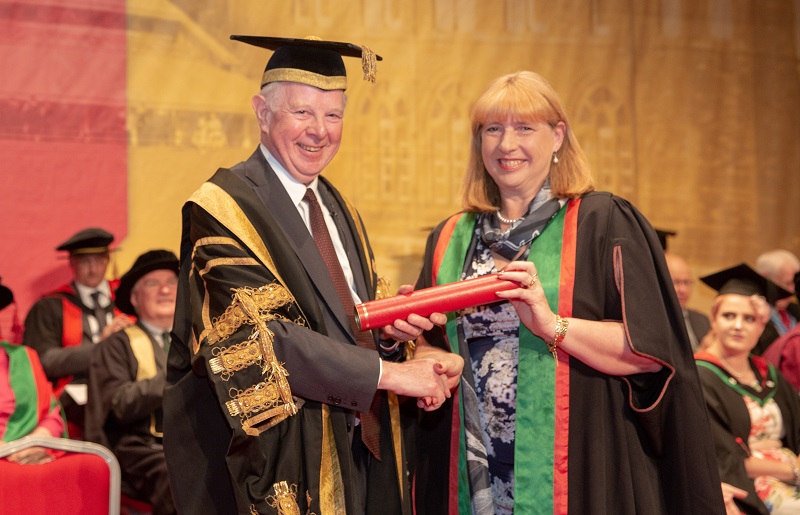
27, 404
784, 352
64, 325
754, 411
278, 398
127, 375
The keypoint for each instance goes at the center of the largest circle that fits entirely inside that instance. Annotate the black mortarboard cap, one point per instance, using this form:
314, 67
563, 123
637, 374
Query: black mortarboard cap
663, 234
144, 264
311, 61
6, 296
744, 280
88, 241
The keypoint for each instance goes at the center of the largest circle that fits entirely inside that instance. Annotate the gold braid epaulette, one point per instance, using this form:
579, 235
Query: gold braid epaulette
269, 402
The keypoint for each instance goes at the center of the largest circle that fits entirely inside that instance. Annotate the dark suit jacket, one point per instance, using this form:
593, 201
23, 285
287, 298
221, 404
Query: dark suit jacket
218, 466
699, 324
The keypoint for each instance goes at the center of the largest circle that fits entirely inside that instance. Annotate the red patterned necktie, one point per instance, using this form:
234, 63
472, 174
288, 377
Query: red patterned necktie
370, 421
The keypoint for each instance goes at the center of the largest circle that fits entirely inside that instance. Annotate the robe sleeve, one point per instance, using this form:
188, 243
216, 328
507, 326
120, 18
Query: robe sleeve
315, 364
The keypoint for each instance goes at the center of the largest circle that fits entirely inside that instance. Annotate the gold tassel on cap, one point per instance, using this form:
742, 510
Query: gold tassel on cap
368, 64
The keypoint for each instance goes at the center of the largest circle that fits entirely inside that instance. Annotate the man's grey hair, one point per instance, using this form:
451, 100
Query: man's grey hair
770, 263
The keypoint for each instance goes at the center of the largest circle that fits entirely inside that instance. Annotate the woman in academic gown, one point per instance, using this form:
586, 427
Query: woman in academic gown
754, 410
582, 396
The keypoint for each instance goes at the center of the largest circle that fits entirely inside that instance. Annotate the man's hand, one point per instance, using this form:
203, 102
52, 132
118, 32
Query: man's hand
414, 325
451, 365
421, 378
120, 322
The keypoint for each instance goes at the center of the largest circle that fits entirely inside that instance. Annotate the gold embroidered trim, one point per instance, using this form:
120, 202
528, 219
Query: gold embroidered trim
285, 499
331, 484
252, 400
234, 358
215, 240
250, 304
229, 261
269, 402
220, 205
325, 82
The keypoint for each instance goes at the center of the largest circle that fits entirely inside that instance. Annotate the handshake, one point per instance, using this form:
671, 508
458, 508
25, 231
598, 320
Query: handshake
431, 376
433, 373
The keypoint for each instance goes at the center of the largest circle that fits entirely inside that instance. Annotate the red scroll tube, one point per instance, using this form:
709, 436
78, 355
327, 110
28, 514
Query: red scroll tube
436, 299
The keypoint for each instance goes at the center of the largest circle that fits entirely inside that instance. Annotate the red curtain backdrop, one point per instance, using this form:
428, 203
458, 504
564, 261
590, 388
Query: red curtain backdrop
63, 148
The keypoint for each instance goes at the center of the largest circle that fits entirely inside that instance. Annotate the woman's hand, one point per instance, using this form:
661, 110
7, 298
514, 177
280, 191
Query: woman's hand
450, 365
602, 345
729, 493
529, 299
761, 307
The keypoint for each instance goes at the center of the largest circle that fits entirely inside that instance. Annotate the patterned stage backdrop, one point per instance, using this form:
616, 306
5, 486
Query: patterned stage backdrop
112, 112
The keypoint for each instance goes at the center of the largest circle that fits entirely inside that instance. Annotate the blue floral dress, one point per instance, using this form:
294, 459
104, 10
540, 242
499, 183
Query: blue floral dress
491, 333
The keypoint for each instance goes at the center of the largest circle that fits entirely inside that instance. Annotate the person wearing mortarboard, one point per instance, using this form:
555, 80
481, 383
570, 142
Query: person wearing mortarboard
278, 399
754, 411
127, 375
27, 404
64, 325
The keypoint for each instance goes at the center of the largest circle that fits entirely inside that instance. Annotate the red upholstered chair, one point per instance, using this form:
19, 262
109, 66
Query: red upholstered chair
85, 480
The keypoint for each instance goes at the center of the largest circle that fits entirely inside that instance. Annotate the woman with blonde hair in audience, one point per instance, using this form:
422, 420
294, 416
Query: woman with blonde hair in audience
754, 410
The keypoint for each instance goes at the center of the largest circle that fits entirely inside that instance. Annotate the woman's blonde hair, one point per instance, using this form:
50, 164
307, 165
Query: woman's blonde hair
522, 96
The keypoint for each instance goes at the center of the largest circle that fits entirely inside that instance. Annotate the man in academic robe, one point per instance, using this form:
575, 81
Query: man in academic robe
280, 404
64, 325
127, 376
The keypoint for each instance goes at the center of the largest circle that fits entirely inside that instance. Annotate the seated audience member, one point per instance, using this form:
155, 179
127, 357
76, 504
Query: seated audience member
64, 325
697, 324
127, 376
779, 266
754, 412
784, 352
27, 404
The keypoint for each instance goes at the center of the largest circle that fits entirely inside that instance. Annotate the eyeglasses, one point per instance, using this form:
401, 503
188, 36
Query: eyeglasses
155, 284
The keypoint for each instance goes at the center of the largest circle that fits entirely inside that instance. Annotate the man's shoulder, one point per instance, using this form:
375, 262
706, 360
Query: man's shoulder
55, 297
697, 314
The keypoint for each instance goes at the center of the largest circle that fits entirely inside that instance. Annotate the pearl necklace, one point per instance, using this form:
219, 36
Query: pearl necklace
506, 220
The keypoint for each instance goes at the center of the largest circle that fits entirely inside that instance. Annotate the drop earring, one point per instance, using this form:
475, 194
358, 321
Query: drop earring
555, 158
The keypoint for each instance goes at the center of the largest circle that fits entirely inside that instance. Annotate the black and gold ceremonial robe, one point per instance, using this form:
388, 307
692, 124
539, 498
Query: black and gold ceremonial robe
267, 375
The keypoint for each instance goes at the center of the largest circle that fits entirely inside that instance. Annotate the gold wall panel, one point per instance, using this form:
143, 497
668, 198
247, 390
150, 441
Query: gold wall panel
688, 108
